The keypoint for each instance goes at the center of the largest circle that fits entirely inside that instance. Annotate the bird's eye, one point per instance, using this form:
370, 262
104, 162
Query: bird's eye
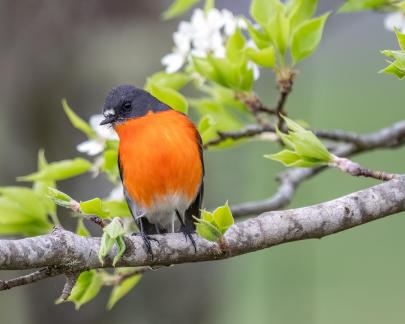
126, 106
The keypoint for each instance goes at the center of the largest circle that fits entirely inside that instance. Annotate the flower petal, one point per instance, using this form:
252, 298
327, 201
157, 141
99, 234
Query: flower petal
92, 147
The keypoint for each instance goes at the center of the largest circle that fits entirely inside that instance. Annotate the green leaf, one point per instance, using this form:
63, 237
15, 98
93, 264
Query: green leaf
401, 39
86, 288
235, 45
286, 157
122, 289
106, 245
301, 11
205, 69
18, 218
177, 8
206, 128
279, 30
27, 199
207, 231
223, 218
121, 249
110, 163
260, 38
54, 193
81, 228
94, 207
117, 208
304, 148
263, 10
170, 97
115, 228
76, 121
112, 235
359, 5
173, 81
61, 170
207, 216
395, 69
307, 38
265, 57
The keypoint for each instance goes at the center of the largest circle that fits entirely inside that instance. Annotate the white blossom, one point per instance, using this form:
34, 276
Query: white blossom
395, 20
206, 32
104, 133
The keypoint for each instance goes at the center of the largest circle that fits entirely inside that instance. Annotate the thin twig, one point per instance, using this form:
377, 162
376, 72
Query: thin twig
118, 278
357, 170
30, 278
336, 135
389, 137
71, 279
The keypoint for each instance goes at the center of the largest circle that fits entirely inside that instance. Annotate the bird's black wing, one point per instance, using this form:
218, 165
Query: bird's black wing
195, 208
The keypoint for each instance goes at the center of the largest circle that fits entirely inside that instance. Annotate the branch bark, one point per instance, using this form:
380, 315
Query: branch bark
69, 252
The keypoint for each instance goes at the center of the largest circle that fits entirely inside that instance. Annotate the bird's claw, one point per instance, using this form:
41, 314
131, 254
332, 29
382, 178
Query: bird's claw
147, 239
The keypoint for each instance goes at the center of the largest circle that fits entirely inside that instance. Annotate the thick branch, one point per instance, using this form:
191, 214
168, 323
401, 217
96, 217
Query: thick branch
74, 253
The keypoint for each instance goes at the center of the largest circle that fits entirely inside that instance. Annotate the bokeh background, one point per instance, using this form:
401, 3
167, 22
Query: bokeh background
79, 49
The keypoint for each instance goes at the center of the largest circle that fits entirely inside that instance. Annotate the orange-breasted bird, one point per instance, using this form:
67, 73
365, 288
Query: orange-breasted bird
160, 161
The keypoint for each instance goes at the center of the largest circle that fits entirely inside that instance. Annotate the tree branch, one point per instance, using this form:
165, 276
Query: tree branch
72, 253
390, 137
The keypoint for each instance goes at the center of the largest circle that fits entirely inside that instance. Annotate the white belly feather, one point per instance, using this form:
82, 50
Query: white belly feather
163, 211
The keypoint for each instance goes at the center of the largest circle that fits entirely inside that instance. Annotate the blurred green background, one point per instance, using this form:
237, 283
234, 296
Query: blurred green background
79, 49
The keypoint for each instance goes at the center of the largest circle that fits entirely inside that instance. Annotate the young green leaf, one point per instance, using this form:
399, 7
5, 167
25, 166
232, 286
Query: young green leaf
121, 249
86, 288
117, 208
61, 170
279, 30
358, 5
177, 8
28, 200
110, 165
235, 45
173, 81
263, 10
206, 128
112, 235
94, 207
260, 38
395, 69
401, 39
223, 218
307, 38
115, 228
264, 57
208, 231
304, 148
170, 97
76, 121
301, 11
19, 217
122, 289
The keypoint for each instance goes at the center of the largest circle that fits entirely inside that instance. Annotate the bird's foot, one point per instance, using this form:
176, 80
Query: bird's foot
147, 239
189, 235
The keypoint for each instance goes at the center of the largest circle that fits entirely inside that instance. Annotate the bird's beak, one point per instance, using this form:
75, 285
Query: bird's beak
108, 119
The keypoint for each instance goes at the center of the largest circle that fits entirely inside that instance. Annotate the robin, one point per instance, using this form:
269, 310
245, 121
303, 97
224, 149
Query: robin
160, 161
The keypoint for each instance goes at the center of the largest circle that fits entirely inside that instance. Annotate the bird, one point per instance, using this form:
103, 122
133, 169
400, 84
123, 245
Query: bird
160, 160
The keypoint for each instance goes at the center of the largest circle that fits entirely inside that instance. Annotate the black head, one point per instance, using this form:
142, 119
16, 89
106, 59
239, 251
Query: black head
126, 101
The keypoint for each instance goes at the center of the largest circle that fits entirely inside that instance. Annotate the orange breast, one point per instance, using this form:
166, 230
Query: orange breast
159, 156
